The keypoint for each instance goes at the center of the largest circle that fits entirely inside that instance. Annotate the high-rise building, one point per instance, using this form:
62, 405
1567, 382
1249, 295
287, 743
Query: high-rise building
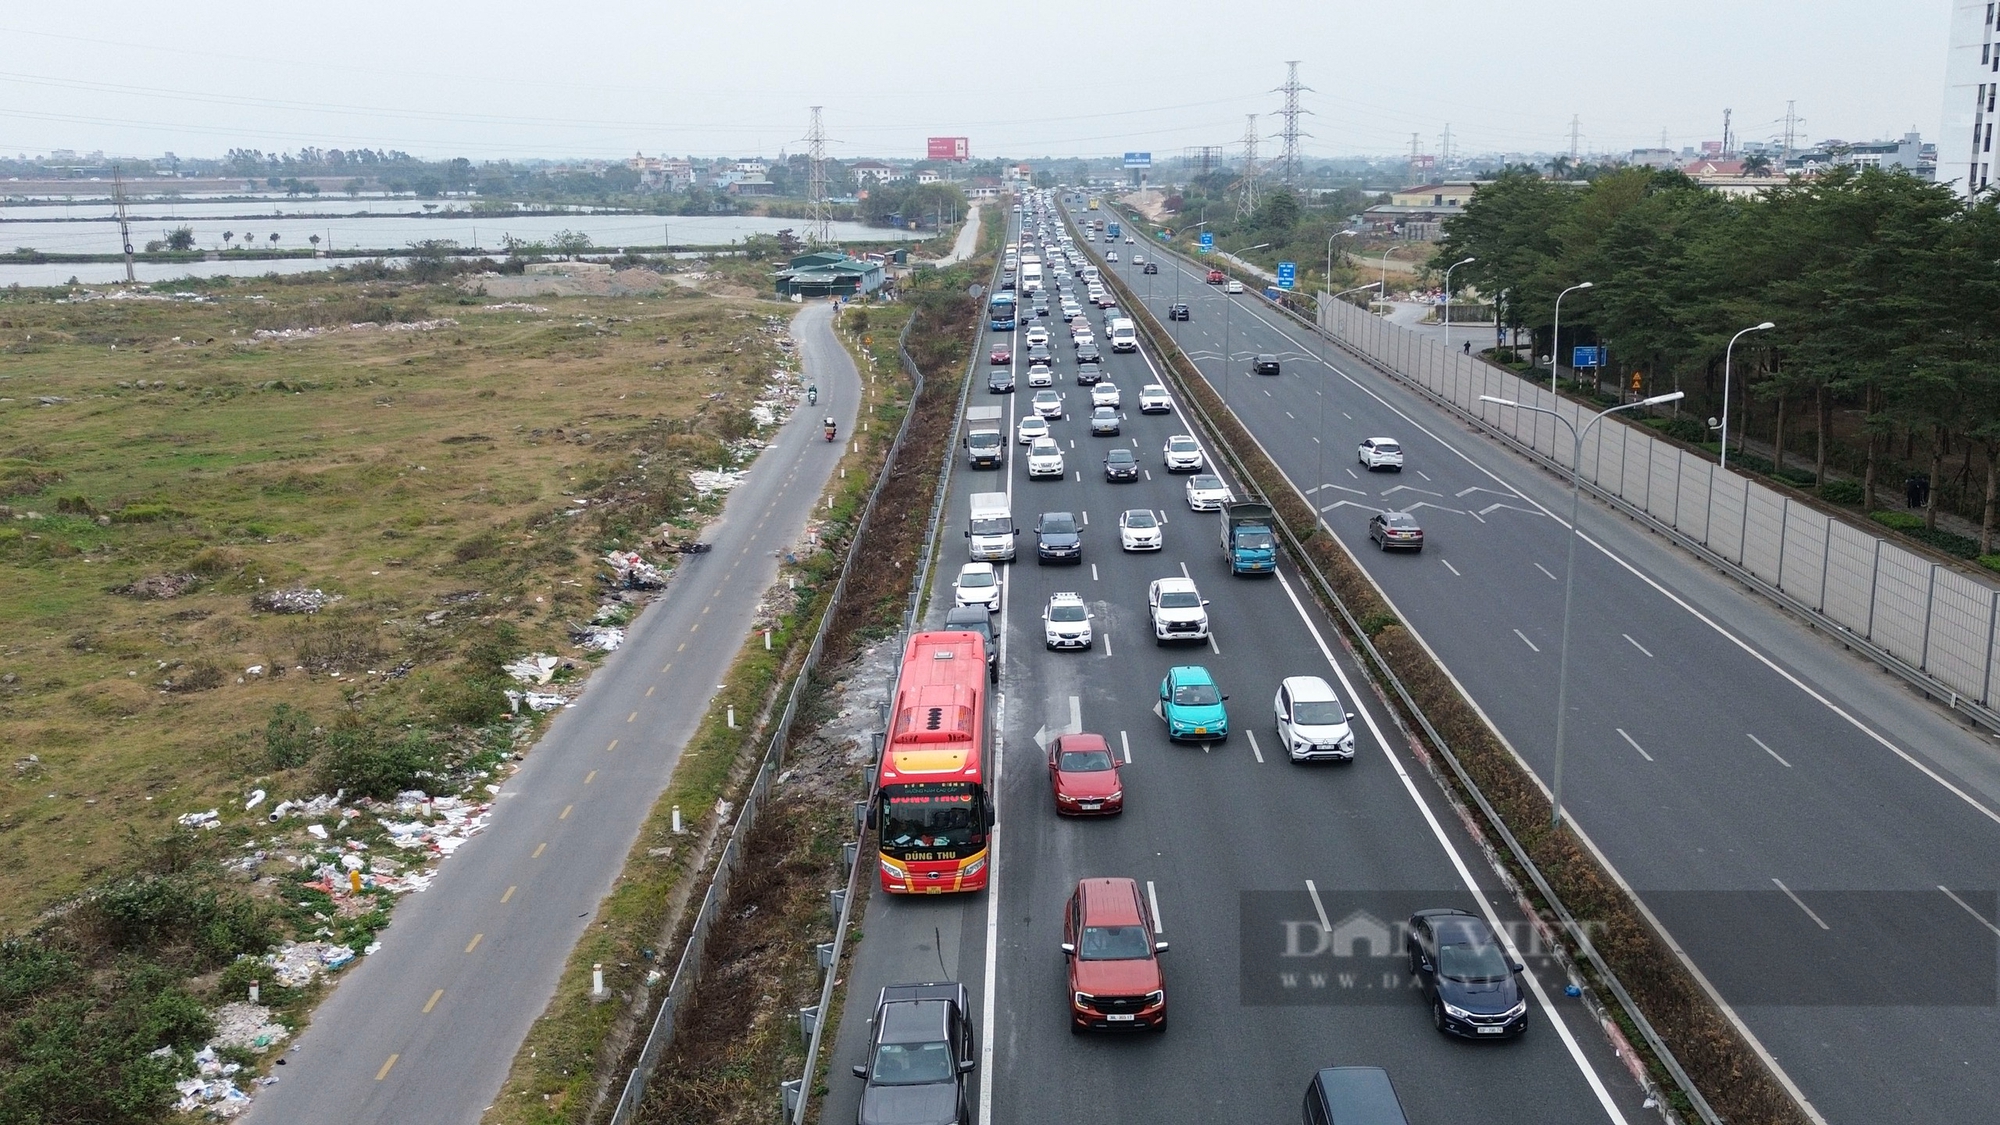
1971, 83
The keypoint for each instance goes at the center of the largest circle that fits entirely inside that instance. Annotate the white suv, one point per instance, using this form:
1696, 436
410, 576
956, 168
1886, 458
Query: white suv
1311, 721
1183, 454
1105, 394
1153, 399
1205, 492
1045, 459
1066, 622
1381, 453
1178, 610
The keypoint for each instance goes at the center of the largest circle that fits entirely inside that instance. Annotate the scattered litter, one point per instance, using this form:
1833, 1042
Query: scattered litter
208, 819
534, 668
244, 1025
602, 638
318, 830
536, 701
298, 599
706, 481
256, 798
514, 305
160, 586
254, 670
298, 964
634, 572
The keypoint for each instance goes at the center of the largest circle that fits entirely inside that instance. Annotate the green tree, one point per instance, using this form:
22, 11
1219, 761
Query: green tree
180, 238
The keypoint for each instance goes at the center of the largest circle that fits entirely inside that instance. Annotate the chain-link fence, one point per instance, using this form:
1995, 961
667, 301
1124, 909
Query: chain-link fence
1929, 622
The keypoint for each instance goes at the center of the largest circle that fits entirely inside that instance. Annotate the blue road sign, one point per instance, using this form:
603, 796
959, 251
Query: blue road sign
1207, 242
1288, 274
1138, 160
1587, 357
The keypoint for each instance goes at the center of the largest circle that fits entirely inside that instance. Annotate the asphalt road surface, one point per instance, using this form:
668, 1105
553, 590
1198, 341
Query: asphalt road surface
426, 1028
1231, 840
1823, 843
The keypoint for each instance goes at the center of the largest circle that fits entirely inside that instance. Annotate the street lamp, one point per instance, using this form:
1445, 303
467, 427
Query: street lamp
1555, 336
1329, 254
1569, 578
1447, 297
1726, 352
1385, 271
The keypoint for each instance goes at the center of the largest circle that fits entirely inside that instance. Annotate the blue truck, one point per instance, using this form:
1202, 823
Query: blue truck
1248, 545
1111, 232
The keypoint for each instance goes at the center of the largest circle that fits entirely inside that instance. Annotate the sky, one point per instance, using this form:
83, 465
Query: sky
501, 79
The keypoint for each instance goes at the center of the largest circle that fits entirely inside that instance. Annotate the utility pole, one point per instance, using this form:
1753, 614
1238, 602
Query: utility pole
1247, 203
1575, 133
124, 224
1290, 113
819, 213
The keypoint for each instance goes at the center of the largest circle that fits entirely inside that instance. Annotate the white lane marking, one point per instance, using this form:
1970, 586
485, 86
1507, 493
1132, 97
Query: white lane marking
1802, 905
1554, 1017
1969, 909
1448, 566
1316, 440
1346, 415
1421, 473
1185, 574
1127, 744
1771, 752
1288, 413
1253, 746
1212, 645
1547, 571
1075, 716
1319, 907
1633, 743
1525, 640
1148, 472
1107, 644
1640, 647
988, 1001
1355, 475
1153, 900
1093, 572
1086, 515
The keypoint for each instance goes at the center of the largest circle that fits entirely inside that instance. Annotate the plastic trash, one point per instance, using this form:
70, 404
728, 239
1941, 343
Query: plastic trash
209, 819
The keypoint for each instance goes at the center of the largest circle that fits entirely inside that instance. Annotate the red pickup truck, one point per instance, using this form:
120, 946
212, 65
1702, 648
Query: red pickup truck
1215, 277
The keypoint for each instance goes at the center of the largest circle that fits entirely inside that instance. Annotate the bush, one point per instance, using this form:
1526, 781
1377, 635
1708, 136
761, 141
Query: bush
202, 675
1689, 430
76, 1056
355, 760
181, 913
145, 513
1840, 492
1912, 525
288, 738
1374, 623
1901, 521
215, 561
472, 700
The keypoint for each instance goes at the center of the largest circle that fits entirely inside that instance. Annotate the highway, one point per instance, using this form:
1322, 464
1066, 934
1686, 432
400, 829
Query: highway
427, 1027
1822, 843
1231, 840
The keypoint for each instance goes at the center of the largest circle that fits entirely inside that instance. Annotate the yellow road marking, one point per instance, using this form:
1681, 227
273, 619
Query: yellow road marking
432, 1002
632, 716
697, 625
508, 895
589, 777
651, 690
565, 812
538, 849
384, 1072
474, 943
613, 746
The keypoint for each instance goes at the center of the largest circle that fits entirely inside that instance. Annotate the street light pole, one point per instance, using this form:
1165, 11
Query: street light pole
1569, 577
1726, 353
1447, 298
1329, 258
1226, 303
1555, 336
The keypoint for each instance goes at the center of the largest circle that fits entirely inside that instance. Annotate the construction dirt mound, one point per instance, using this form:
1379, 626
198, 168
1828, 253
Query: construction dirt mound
571, 279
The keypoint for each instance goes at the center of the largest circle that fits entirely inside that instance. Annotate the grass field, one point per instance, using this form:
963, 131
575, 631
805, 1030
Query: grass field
420, 471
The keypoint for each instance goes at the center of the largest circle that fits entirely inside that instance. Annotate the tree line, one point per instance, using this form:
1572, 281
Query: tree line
1882, 289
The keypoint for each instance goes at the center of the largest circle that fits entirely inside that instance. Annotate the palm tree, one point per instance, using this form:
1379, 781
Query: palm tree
314, 239
228, 237
1757, 164
274, 240
1559, 168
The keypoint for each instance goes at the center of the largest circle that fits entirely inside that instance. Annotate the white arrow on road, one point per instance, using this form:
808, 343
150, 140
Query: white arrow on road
1488, 509
1412, 488
1341, 487
1464, 492
1075, 726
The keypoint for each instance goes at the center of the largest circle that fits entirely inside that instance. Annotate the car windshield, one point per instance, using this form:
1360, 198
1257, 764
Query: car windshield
1058, 525
998, 525
1180, 599
1154, 389
1255, 540
976, 578
1140, 517
1181, 444
1115, 943
1204, 482
1197, 695
919, 822
1119, 457
1387, 447
1105, 412
1044, 447
1083, 761
1482, 962
1321, 714
911, 1064
1402, 523
1071, 612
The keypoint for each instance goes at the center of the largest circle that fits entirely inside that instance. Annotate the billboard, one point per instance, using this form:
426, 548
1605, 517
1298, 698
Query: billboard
948, 148
1138, 160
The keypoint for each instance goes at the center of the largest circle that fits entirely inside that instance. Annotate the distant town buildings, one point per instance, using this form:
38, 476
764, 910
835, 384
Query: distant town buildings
1971, 77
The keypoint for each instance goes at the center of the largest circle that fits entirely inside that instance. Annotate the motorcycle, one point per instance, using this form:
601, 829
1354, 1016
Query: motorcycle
812, 396
830, 430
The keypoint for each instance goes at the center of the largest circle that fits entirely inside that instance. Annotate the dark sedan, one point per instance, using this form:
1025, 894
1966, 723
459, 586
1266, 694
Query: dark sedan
1120, 464
1088, 374
1151, 268
920, 1057
1058, 539
1000, 381
1473, 986
1088, 353
1179, 311
1265, 364
1395, 529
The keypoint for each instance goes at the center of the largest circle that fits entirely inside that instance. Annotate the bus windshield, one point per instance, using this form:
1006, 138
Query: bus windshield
941, 815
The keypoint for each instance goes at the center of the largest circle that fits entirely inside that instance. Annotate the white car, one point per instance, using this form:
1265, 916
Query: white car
1032, 427
1081, 335
1096, 296
1139, 530
1128, 240
1153, 399
1066, 622
1045, 459
1183, 454
1178, 610
1207, 493
1381, 453
1037, 335
1039, 375
1105, 394
1048, 404
1138, 259
1311, 721
977, 585
1234, 286
1111, 255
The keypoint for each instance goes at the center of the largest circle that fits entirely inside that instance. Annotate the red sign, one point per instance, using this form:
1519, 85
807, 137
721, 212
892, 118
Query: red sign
948, 148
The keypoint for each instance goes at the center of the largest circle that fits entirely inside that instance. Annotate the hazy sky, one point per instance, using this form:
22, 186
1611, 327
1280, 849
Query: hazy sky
604, 78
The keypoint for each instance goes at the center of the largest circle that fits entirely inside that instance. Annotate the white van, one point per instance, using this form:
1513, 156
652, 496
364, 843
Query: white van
991, 527
1124, 337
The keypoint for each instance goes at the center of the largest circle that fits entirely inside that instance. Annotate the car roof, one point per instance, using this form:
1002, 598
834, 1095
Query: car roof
1066, 597
921, 1021
1188, 438
1130, 512
968, 615
1267, 355
1152, 387
976, 568
1309, 689
1397, 517
1110, 902
1121, 453
1381, 440
1177, 584
1190, 674
1204, 480
1082, 741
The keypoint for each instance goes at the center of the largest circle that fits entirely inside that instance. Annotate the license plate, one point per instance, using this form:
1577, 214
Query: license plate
933, 890
1201, 730
1120, 1019
1091, 806
1491, 1030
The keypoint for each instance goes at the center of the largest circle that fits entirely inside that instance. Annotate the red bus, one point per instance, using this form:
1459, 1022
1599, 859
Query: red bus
931, 806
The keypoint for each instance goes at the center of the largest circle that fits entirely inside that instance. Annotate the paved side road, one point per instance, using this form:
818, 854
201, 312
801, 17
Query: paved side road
967, 242
426, 1029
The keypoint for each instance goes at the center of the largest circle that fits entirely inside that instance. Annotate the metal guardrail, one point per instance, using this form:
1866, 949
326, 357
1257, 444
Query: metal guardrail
687, 973
1381, 670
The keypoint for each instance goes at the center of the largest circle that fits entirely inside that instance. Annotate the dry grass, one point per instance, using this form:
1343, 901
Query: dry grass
419, 475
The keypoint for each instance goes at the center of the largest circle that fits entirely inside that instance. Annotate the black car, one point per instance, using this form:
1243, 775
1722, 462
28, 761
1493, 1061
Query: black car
1463, 969
1057, 539
976, 619
919, 1058
1040, 354
1151, 268
1089, 374
1178, 311
1088, 353
1000, 381
1265, 364
1119, 464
